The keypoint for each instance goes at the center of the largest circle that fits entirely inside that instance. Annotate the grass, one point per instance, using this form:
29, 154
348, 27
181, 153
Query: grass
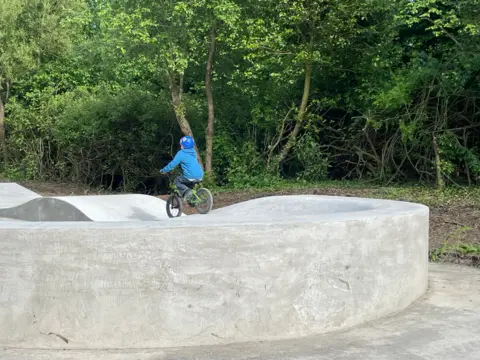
291, 184
459, 252
435, 197
426, 195
456, 250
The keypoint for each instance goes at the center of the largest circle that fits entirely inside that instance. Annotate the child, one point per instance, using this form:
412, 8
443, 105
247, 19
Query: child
192, 171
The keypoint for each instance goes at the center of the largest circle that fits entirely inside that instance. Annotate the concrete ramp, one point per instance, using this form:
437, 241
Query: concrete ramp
12, 194
19, 203
44, 209
273, 269
118, 207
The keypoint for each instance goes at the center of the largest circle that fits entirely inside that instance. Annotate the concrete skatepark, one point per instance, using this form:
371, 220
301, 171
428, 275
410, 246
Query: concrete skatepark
20, 203
297, 277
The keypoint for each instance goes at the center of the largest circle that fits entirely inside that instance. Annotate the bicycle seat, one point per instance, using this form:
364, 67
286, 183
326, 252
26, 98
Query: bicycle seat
191, 183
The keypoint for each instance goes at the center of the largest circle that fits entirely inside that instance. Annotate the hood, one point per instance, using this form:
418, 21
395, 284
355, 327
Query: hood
190, 151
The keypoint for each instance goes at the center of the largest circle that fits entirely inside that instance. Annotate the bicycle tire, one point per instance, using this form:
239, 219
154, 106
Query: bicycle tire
174, 202
203, 192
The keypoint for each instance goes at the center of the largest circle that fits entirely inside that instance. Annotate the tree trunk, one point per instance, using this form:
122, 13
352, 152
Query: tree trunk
179, 108
438, 166
211, 112
301, 113
3, 144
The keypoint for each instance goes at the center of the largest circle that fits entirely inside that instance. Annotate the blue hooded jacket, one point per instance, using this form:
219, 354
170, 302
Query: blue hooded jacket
187, 158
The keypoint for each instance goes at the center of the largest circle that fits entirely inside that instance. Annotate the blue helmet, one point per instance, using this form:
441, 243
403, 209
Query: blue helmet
187, 142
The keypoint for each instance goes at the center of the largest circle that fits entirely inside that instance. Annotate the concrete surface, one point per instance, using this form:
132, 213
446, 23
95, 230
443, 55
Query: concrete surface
89, 208
267, 269
12, 194
442, 325
19, 203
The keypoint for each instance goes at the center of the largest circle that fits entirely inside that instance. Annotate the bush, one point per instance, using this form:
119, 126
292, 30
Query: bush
241, 166
93, 137
311, 158
31, 145
104, 136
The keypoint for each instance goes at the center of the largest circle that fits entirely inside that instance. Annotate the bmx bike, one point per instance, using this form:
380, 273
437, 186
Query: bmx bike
197, 197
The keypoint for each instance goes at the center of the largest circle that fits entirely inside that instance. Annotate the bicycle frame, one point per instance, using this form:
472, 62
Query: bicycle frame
175, 190
194, 199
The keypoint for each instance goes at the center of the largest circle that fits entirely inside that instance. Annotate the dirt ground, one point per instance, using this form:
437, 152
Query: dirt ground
454, 222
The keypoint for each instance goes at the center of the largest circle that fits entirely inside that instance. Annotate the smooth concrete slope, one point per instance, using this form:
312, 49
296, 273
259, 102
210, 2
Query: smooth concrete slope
89, 208
269, 269
17, 202
12, 194
442, 325
303, 208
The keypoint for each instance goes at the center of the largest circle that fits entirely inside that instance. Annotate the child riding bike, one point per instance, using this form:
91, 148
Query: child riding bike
192, 170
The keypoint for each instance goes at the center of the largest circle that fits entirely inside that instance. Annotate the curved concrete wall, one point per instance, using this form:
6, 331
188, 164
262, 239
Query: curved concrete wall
281, 268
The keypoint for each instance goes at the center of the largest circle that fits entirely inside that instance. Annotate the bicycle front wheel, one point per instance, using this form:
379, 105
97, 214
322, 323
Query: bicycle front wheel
174, 206
204, 201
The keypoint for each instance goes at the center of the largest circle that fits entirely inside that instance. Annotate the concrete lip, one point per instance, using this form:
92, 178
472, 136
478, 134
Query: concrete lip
267, 269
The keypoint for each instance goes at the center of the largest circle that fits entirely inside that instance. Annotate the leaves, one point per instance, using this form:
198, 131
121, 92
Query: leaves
385, 77
35, 31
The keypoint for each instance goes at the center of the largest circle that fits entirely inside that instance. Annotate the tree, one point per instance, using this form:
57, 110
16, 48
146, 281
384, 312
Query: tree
299, 37
174, 35
209, 92
223, 17
217, 22
158, 32
274, 85
31, 31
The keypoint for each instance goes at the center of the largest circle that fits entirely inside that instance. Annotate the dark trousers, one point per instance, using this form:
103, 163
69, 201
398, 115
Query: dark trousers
183, 184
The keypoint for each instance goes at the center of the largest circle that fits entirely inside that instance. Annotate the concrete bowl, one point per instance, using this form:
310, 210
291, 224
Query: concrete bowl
267, 269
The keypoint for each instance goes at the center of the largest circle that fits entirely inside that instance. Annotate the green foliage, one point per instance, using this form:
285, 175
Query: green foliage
314, 163
444, 17
241, 166
458, 250
454, 155
431, 197
124, 134
33, 31
91, 86
30, 132
90, 136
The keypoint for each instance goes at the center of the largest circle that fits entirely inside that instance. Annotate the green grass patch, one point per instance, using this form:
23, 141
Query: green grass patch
286, 184
460, 251
456, 250
432, 196
429, 196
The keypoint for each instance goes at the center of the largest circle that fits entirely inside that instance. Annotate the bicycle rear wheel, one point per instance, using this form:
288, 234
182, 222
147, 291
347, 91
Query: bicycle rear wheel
204, 201
174, 206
